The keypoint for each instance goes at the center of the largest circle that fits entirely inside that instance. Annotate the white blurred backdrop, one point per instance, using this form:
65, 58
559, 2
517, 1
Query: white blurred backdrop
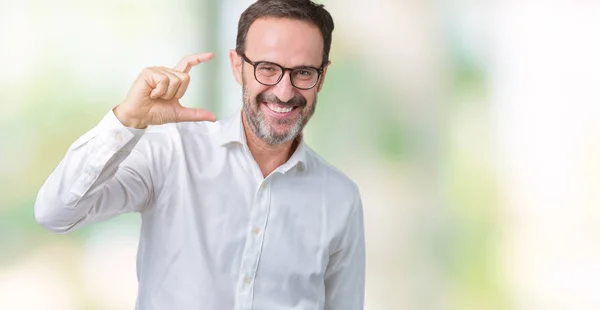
471, 127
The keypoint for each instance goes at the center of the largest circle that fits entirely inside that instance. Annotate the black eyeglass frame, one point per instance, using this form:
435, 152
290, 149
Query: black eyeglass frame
283, 70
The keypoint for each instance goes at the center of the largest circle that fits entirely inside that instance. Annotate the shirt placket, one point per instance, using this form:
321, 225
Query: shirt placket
253, 247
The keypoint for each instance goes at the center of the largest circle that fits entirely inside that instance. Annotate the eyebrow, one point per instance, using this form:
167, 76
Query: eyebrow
300, 66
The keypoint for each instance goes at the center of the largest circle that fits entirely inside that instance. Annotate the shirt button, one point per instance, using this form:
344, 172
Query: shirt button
247, 279
256, 230
119, 137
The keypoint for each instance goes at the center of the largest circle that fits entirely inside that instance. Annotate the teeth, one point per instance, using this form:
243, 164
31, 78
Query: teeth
278, 109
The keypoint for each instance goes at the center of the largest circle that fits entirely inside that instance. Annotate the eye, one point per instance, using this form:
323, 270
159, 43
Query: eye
265, 68
305, 73
268, 67
268, 70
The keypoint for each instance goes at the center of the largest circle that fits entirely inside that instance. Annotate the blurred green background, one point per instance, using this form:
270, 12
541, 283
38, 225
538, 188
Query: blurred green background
471, 127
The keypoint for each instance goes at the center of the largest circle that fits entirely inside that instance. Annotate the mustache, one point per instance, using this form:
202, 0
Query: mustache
296, 101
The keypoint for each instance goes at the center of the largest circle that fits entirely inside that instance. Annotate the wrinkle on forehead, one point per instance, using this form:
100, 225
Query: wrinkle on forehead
288, 42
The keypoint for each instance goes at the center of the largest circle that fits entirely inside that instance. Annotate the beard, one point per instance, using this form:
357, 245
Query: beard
262, 125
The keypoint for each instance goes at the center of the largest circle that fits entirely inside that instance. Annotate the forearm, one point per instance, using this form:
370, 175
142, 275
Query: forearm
74, 189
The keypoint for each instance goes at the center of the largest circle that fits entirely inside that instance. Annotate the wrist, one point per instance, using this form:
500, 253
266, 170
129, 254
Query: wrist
127, 120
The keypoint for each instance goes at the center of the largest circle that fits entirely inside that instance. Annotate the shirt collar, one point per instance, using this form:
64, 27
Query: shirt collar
232, 131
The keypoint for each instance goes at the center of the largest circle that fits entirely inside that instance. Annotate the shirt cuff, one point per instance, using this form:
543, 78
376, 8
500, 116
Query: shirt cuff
115, 135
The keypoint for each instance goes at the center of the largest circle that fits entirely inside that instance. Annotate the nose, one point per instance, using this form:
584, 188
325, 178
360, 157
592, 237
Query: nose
284, 90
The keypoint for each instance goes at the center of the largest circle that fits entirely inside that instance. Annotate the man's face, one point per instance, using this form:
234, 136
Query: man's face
278, 113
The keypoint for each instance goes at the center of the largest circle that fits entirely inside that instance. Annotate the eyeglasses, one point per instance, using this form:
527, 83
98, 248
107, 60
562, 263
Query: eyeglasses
269, 74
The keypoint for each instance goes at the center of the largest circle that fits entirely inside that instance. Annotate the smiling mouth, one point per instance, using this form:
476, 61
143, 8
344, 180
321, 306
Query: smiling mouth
277, 108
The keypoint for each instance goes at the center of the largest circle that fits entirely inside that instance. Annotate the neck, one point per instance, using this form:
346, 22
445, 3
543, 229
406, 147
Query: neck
268, 157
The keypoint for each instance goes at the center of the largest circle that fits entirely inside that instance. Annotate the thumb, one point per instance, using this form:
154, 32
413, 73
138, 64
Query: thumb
195, 115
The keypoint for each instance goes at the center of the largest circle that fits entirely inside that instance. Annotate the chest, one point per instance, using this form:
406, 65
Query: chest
227, 222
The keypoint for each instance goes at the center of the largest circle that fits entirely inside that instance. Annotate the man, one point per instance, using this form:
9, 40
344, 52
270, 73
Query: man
238, 213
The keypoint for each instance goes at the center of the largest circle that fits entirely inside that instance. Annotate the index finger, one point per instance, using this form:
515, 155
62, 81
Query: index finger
186, 64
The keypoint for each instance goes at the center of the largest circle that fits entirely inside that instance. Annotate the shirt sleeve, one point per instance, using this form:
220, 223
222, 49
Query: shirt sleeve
100, 177
345, 274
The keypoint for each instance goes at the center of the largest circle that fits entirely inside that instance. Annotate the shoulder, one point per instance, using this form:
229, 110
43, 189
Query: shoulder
333, 180
165, 145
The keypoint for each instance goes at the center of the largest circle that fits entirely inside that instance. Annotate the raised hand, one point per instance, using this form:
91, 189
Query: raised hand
153, 99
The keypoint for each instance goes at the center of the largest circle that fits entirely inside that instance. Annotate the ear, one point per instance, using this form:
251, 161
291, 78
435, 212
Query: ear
323, 76
236, 66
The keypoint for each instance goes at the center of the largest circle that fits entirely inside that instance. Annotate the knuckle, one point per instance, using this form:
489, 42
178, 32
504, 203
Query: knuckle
175, 82
185, 78
165, 79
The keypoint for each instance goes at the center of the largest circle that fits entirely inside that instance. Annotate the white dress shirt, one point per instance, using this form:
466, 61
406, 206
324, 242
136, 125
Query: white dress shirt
215, 233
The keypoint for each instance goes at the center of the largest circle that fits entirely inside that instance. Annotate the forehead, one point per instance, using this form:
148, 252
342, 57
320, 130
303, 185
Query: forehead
288, 42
